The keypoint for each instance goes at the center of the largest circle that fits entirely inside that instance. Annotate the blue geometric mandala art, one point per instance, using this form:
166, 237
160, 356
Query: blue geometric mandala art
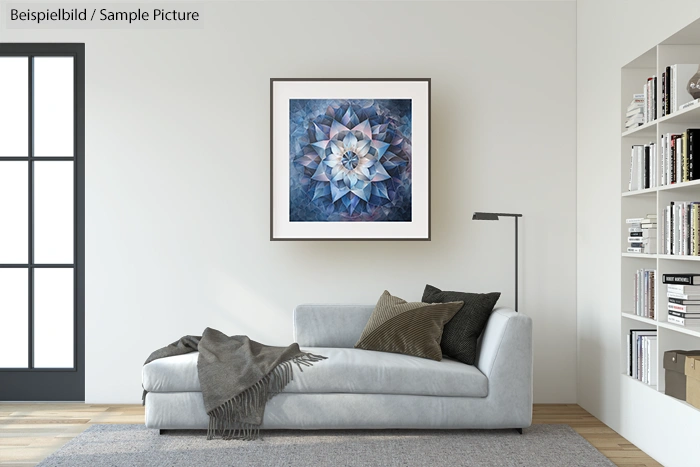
350, 160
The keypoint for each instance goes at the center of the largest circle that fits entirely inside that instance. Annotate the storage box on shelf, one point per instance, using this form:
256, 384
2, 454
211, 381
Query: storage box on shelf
674, 366
656, 172
692, 373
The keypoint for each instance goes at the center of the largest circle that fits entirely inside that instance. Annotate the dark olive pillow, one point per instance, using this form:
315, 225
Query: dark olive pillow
409, 328
460, 335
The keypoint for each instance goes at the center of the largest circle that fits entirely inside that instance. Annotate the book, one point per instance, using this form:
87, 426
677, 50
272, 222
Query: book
692, 136
683, 289
641, 239
682, 314
681, 296
666, 91
680, 301
690, 104
681, 74
635, 354
682, 279
683, 321
635, 220
684, 308
637, 102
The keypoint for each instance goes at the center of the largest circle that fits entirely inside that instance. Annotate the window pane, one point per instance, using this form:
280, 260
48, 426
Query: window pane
14, 106
14, 318
53, 318
53, 212
53, 106
14, 212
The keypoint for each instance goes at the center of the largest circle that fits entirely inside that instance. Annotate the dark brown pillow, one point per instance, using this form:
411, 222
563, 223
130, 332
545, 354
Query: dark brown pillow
459, 339
408, 328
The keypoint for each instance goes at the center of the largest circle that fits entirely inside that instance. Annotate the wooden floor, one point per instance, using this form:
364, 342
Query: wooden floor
30, 432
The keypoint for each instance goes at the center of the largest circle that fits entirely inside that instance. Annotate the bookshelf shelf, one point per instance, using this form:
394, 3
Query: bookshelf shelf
641, 319
639, 203
695, 332
648, 129
694, 185
639, 255
689, 115
679, 257
646, 191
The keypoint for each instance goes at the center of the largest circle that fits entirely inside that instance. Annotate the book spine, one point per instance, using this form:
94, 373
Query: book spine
671, 209
692, 137
652, 298
663, 94
681, 279
684, 155
672, 155
629, 187
680, 314
681, 301
682, 288
667, 102
654, 107
646, 166
673, 88
686, 219
696, 229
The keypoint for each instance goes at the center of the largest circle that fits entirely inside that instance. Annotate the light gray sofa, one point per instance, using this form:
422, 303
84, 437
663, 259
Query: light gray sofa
364, 389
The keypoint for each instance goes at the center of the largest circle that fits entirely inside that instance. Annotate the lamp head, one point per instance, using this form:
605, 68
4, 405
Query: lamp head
485, 216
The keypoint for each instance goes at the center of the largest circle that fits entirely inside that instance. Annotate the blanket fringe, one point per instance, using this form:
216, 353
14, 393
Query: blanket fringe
226, 421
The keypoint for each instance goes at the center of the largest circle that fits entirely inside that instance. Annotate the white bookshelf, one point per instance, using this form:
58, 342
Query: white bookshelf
683, 47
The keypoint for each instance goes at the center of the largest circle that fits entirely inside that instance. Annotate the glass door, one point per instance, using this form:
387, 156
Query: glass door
42, 222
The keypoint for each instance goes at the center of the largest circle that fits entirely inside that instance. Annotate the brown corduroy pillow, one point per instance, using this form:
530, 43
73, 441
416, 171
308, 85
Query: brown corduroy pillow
411, 328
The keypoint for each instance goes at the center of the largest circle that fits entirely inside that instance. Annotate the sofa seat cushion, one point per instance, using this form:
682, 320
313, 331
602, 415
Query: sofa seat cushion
347, 371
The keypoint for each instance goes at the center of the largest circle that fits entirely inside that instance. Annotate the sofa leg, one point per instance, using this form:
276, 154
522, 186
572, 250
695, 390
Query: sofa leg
519, 430
161, 432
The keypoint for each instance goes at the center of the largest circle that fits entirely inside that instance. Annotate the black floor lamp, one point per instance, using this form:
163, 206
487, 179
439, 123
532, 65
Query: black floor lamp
494, 216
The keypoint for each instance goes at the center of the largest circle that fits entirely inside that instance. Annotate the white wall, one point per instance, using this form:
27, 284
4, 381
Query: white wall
177, 169
610, 34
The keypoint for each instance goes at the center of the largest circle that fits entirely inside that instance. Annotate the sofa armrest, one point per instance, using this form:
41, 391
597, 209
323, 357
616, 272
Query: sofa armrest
506, 359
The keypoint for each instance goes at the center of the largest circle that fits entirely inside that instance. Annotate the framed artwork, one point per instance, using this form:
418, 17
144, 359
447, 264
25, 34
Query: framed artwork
350, 159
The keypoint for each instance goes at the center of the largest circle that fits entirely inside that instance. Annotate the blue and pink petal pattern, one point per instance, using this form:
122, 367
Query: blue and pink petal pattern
350, 160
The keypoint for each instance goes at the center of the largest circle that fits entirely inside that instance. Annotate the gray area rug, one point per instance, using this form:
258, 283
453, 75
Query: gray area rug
135, 445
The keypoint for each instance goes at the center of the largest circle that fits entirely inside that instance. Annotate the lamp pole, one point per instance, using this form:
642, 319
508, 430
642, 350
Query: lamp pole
494, 216
516, 263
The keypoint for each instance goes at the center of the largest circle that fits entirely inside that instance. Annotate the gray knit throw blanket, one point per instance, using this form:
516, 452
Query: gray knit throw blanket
237, 376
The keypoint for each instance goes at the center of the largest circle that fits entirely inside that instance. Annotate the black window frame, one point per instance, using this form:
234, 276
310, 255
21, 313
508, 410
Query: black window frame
54, 384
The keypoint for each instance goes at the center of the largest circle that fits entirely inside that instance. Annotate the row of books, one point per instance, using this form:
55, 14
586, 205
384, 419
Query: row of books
674, 87
635, 112
680, 234
641, 234
678, 152
683, 292
645, 293
674, 95
642, 352
643, 167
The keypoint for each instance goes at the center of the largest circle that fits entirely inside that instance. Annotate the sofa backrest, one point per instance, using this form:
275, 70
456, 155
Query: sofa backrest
330, 325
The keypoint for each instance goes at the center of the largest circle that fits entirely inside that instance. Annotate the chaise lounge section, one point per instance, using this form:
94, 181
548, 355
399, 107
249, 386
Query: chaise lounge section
363, 389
